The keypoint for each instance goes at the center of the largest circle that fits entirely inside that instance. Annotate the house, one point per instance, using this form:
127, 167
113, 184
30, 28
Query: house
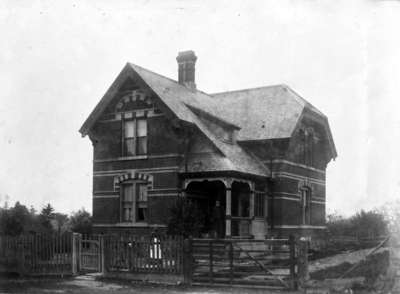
257, 157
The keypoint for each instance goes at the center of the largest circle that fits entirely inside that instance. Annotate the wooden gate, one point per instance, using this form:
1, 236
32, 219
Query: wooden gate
90, 253
244, 262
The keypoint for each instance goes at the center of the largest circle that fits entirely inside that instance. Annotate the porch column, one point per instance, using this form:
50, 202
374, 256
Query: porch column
228, 211
251, 209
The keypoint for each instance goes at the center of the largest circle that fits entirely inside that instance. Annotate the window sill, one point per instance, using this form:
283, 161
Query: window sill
130, 224
122, 158
132, 157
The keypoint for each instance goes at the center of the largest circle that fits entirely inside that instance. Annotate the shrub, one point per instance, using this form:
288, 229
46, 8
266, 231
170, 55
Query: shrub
364, 224
186, 219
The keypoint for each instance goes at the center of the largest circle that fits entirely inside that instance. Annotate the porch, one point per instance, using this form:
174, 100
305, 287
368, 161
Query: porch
234, 207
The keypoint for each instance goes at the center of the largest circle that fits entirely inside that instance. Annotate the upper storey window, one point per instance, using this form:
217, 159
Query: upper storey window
135, 137
306, 205
307, 146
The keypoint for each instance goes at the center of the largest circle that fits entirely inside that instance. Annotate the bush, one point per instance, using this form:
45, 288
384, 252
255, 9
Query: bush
364, 224
186, 219
81, 222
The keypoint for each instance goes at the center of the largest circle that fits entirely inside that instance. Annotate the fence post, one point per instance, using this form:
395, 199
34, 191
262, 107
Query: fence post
302, 262
231, 262
101, 253
187, 261
292, 252
74, 253
21, 256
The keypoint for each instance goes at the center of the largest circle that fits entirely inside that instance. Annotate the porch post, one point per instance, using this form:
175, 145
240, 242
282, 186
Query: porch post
228, 203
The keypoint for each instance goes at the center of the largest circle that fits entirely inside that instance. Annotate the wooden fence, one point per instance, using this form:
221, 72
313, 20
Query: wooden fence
279, 263
37, 254
143, 254
244, 262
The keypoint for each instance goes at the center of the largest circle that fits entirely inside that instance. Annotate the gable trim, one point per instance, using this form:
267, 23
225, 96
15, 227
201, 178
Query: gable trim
127, 72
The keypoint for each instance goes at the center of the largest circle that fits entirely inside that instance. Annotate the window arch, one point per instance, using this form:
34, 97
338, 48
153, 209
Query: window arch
132, 100
133, 187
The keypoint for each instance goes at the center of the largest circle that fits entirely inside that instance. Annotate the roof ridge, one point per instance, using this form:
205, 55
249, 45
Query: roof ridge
307, 103
220, 119
170, 79
248, 89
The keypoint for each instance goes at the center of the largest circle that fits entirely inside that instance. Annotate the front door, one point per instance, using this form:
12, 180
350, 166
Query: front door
218, 215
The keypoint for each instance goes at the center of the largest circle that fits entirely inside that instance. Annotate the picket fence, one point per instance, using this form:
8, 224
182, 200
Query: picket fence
272, 263
37, 254
143, 254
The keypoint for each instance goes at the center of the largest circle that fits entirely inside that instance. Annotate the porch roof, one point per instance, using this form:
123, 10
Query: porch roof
214, 162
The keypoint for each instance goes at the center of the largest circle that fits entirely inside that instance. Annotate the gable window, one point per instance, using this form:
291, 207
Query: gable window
134, 202
135, 137
307, 146
306, 205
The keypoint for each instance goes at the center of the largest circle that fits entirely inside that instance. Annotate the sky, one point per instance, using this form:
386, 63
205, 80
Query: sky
58, 58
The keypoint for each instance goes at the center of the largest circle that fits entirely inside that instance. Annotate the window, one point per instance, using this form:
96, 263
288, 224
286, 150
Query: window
127, 203
259, 205
306, 206
135, 137
310, 148
141, 203
307, 146
134, 202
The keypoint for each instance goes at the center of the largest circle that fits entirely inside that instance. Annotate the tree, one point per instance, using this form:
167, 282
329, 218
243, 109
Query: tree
16, 220
60, 222
46, 216
391, 211
369, 224
186, 219
81, 222
364, 224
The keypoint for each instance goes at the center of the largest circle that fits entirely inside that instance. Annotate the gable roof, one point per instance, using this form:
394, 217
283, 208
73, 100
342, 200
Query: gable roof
179, 99
258, 114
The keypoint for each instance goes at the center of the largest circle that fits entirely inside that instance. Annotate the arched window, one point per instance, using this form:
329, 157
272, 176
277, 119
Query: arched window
305, 205
134, 202
307, 146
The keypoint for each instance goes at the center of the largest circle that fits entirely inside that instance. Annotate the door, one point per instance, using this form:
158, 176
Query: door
90, 254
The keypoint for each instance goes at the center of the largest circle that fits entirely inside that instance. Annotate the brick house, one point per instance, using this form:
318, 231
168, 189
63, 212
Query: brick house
255, 157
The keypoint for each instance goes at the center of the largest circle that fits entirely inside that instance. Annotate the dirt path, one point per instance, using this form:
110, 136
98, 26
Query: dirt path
85, 285
349, 257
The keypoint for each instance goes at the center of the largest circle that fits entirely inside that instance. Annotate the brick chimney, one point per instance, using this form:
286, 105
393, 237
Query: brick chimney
186, 68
